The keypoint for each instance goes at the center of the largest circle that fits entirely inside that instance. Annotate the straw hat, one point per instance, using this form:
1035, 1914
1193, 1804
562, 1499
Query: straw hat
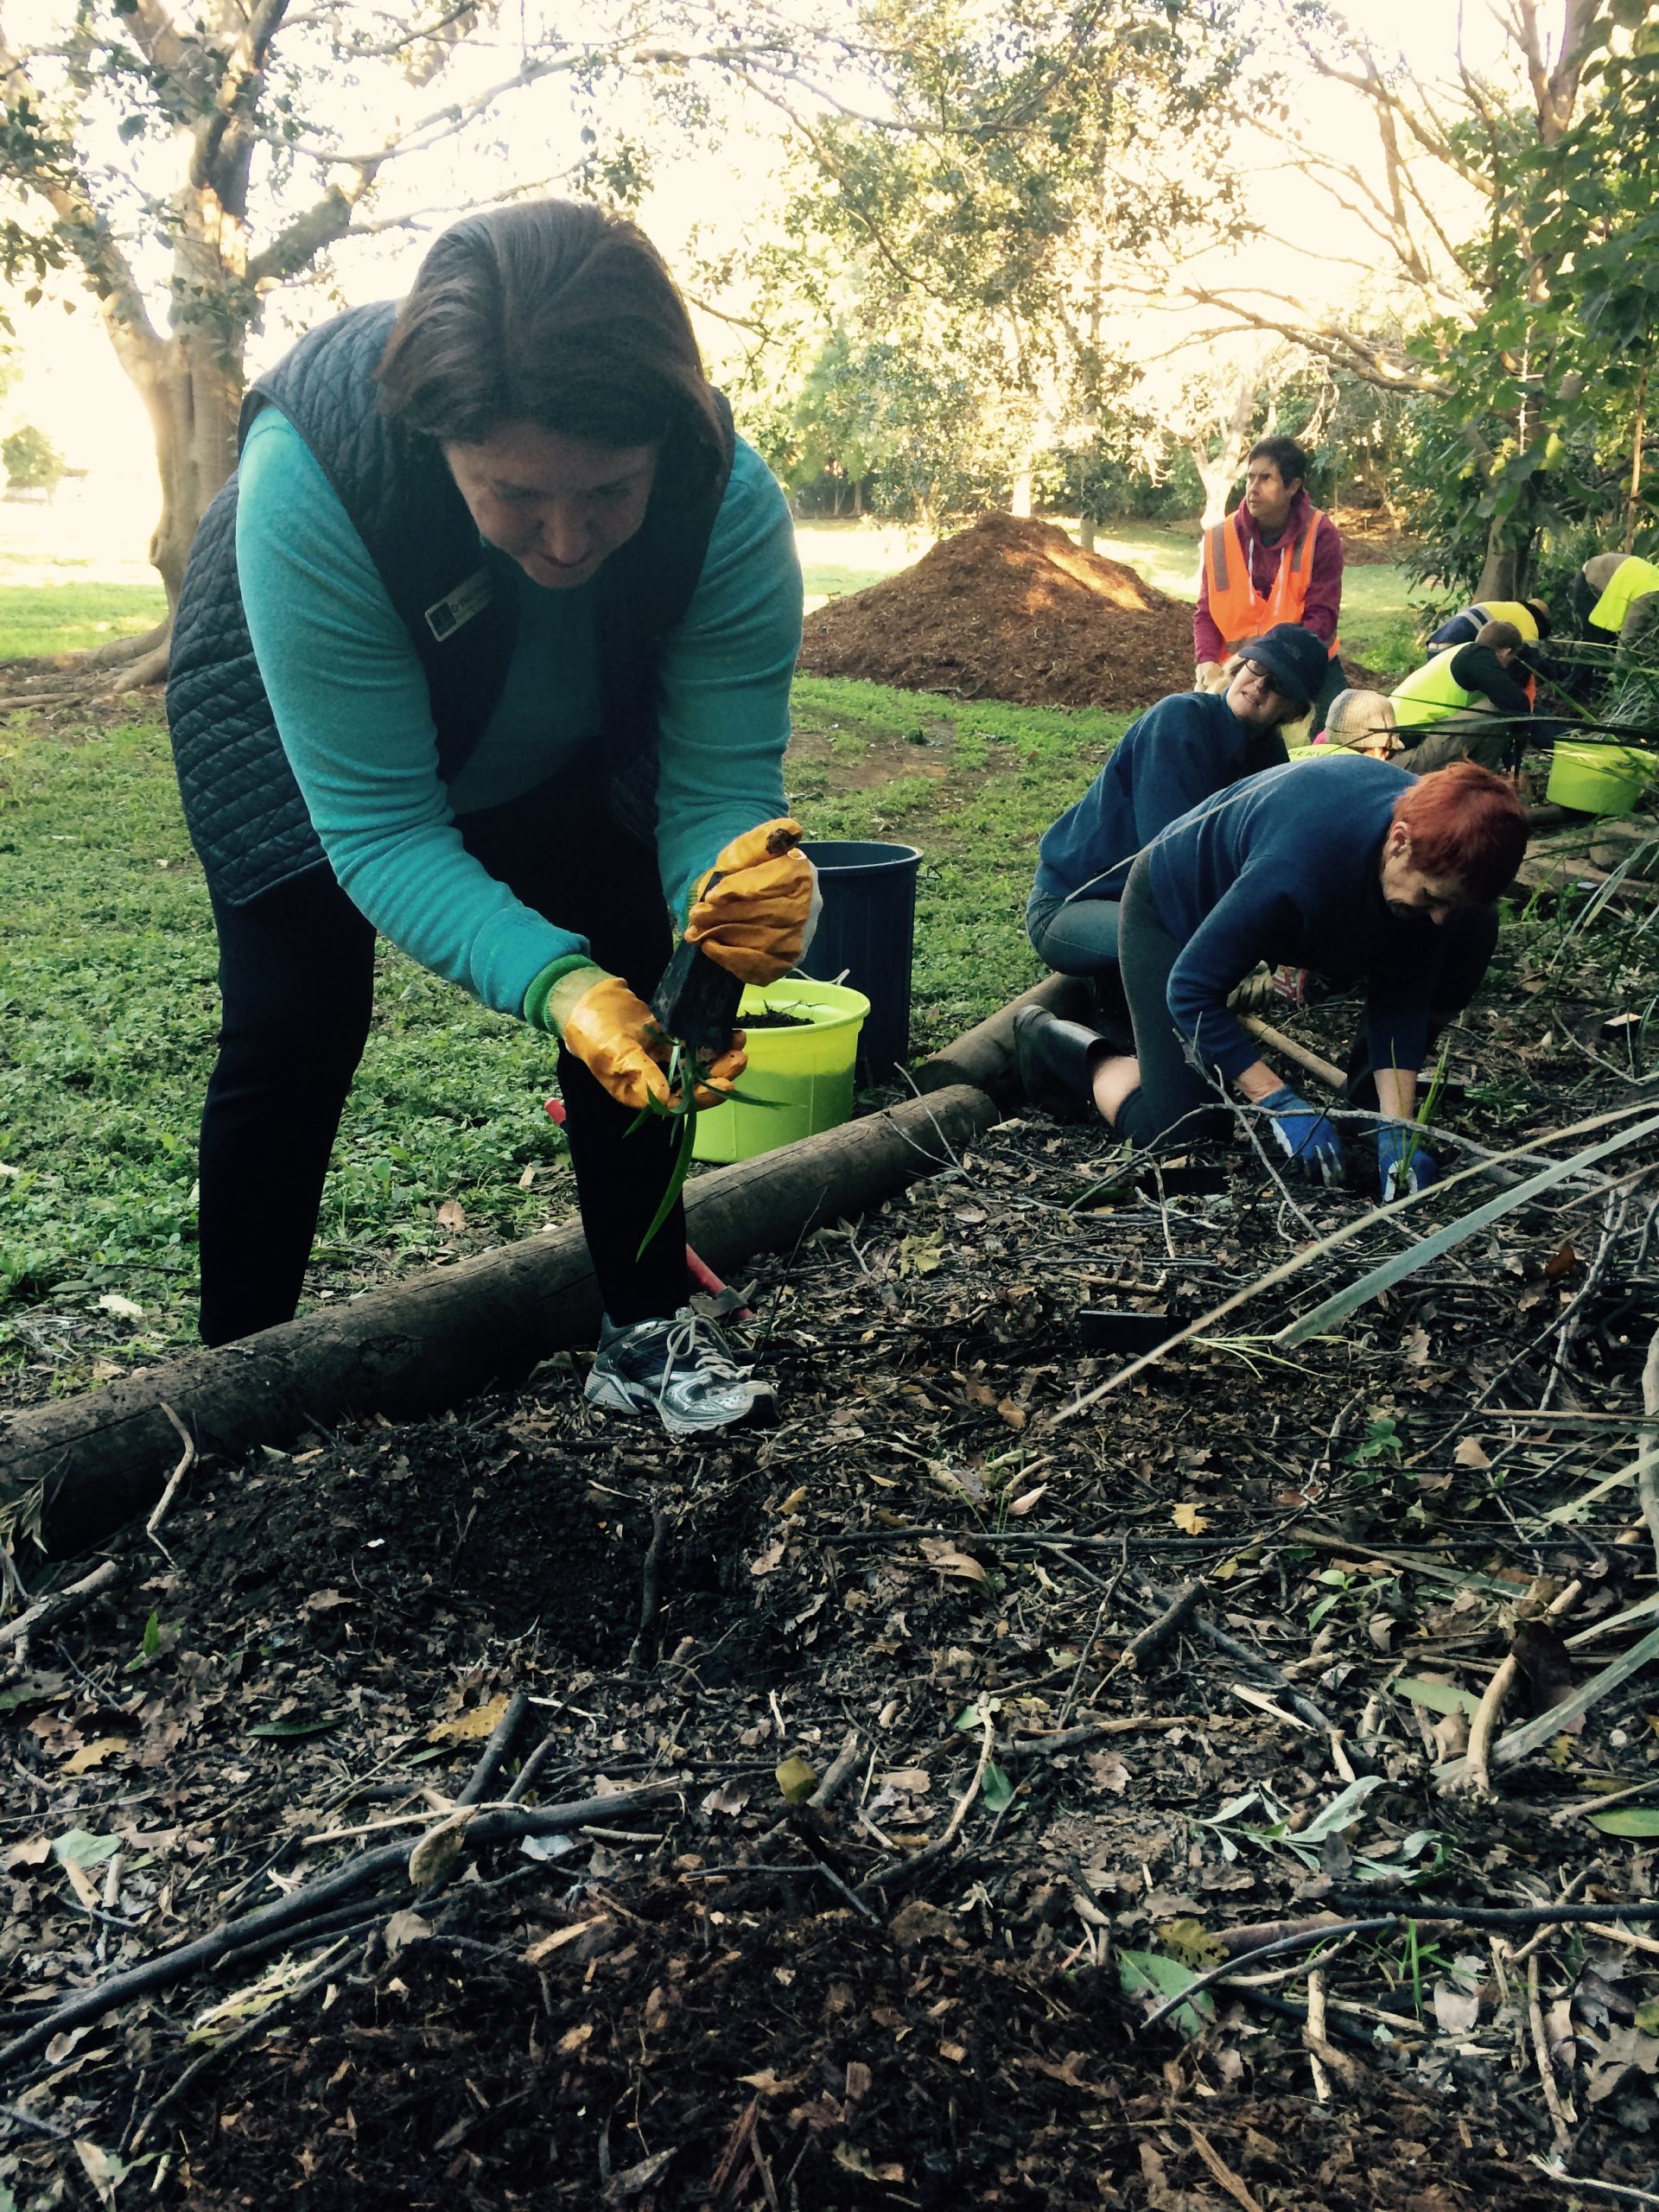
1362, 721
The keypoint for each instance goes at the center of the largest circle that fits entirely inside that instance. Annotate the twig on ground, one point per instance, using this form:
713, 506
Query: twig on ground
1220, 2172
1519, 1742
1546, 2064
937, 1849
651, 1577
61, 1604
164, 1503
1478, 1775
1151, 1639
1313, 2034
1093, 1732
495, 1751
1647, 1476
840, 1771
527, 1773
1624, 2195
1297, 1942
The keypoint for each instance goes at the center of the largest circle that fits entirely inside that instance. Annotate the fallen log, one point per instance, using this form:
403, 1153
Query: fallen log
983, 1055
78, 1468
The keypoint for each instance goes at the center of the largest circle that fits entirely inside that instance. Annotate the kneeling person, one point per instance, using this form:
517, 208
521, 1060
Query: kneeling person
1360, 869
1176, 755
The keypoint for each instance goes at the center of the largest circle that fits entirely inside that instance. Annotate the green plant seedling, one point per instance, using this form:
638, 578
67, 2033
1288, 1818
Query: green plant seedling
148, 1644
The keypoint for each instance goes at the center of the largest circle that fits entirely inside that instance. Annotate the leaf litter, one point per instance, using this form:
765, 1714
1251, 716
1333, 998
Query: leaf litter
907, 1859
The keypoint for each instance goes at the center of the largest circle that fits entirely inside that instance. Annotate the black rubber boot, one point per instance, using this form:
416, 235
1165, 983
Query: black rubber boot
1057, 1061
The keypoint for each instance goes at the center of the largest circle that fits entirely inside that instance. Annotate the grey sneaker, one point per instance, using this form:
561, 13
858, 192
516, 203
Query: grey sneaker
680, 1370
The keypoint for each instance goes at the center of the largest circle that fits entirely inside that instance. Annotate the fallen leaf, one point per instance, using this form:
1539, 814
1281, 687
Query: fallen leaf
452, 1215
1189, 1519
795, 1501
796, 1779
439, 1848
768, 1561
94, 1754
1471, 1452
1637, 1822
35, 1852
1546, 1666
730, 1798
940, 1552
1456, 2010
574, 2039
1019, 1507
916, 1780
1015, 1416
473, 1726
126, 1310
1560, 1263
1108, 1771
403, 1928
634, 2181
995, 1787
80, 1847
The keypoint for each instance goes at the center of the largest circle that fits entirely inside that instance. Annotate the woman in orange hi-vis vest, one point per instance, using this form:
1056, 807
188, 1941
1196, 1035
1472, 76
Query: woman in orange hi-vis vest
1276, 558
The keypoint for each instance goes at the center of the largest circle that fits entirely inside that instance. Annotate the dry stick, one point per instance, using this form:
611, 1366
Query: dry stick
650, 1575
1597, 2188
1296, 1942
1092, 1731
1222, 2172
227, 2046
841, 1772
1393, 1212
1647, 1474
186, 1460
1521, 1741
291, 1913
1313, 2034
883, 1875
60, 1604
495, 1751
1327, 1071
1478, 1772
1540, 2052
1157, 1633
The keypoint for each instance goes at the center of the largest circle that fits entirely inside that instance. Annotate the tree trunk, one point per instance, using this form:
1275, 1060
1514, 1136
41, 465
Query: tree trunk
417, 1346
1087, 527
1020, 498
1501, 566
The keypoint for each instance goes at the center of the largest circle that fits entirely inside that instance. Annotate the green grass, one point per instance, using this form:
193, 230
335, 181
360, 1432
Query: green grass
71, 618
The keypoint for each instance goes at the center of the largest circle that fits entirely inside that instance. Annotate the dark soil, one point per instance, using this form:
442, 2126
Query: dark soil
1009, 609
925, 1993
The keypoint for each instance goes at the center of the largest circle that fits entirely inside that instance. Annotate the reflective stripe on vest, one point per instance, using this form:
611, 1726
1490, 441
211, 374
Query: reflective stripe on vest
1509, 610
1632, 579
1238, 610
1429, 694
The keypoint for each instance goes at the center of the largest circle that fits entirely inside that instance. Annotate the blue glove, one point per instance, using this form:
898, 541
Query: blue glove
1304, 1134
1400, 1176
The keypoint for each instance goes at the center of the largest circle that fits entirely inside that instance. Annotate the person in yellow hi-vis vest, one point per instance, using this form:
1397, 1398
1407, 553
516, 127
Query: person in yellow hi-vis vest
1276, 558
1616, 595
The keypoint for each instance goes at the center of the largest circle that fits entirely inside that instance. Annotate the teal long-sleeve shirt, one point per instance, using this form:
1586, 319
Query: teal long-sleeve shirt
351, 703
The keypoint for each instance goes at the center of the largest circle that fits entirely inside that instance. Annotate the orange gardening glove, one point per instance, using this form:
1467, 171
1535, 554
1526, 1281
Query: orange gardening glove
750, 912
615, 1036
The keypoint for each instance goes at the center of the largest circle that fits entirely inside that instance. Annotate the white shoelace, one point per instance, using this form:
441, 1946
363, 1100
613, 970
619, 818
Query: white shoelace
693, 1341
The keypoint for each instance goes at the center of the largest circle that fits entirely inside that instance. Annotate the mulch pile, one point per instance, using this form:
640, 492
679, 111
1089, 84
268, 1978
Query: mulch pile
931, 1990
1009, 609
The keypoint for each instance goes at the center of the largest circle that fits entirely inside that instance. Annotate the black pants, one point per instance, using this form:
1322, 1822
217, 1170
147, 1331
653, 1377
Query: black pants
296, 983
1179, 1101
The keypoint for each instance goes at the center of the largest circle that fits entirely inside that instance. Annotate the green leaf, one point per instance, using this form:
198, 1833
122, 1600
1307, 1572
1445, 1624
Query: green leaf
1637, 1820
997, 1790
688, 1121
285, 1729
796, 1779
80, 1847
1147, 1973
1439, 1697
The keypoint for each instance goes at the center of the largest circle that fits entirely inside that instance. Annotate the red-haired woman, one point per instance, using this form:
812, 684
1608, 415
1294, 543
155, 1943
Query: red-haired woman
1369, 874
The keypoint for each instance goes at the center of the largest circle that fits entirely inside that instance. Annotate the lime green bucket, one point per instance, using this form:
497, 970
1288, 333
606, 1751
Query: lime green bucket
800, 1080
1600, 779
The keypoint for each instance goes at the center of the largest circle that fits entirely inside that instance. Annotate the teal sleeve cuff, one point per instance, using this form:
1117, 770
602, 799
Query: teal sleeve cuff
541, 988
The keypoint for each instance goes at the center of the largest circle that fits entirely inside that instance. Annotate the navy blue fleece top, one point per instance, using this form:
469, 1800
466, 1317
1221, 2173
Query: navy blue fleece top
1286, 868
1169, 758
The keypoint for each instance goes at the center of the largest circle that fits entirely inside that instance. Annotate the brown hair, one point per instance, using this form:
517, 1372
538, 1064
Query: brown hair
1465, 822
1497, 635
550, 312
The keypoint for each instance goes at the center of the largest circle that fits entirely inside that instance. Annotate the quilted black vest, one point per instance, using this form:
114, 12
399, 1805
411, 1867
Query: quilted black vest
247, 819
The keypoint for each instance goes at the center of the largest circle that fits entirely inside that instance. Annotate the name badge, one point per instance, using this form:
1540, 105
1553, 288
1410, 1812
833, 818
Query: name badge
445, 616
